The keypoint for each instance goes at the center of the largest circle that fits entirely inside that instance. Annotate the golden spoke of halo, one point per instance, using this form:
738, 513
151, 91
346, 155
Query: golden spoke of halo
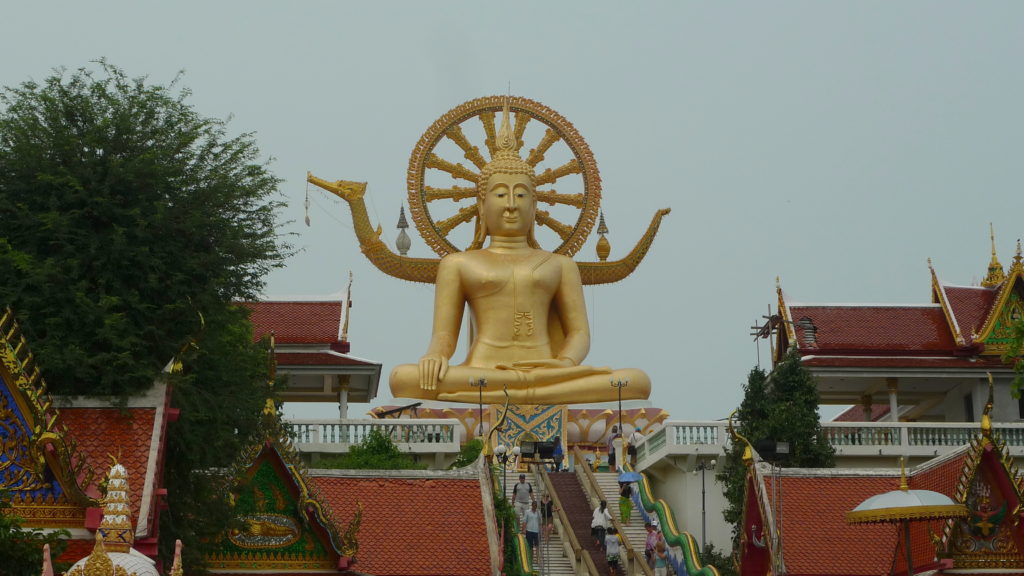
552, 197
537, 154
522, 119
454, 193
487, 119
549, 175
464, 215
472, 153
545, 218
456, 170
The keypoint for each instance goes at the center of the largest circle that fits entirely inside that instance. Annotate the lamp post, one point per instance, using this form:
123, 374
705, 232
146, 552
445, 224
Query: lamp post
620, 384
480, 384
502, 453
703, 466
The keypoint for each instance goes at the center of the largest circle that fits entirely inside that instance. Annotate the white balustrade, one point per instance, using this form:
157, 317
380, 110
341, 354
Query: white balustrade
680, 438
335, 436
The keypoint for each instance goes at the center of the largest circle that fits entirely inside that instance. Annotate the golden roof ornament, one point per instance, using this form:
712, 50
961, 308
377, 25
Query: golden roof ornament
995, 275
604, 247
116, 527
986, 414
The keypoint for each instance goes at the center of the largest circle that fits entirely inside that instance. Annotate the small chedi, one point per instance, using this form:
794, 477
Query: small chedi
529, 333
113, 554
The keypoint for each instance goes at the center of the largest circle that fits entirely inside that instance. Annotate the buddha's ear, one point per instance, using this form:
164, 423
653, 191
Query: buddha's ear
480, 233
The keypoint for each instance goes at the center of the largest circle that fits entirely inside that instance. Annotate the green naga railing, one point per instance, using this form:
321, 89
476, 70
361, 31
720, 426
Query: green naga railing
673, 537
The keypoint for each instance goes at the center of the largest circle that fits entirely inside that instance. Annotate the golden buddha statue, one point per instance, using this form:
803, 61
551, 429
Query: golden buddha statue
529, 318
529, 332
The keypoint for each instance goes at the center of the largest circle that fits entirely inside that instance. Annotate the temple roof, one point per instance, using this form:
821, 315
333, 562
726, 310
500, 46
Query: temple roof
311, 348
296, 321
811, 505
425, 525
961, 327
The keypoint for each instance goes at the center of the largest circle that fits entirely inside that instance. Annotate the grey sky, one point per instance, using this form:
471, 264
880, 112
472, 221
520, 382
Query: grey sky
837, 145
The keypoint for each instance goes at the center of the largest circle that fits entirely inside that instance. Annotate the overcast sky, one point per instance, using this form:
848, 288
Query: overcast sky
835, 145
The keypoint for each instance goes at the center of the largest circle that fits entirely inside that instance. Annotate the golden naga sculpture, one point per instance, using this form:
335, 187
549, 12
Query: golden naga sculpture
528, 322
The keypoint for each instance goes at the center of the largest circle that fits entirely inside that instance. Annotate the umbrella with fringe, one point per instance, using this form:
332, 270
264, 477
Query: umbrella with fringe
903, 506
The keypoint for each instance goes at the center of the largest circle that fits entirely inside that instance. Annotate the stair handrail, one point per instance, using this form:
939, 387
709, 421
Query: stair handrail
591, 486
566, 530
588, 562
673, 537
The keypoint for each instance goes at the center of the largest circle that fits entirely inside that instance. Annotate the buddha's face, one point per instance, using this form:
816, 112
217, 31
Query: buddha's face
509, 206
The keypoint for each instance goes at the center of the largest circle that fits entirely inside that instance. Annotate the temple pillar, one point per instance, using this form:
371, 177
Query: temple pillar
891, 384
343, 382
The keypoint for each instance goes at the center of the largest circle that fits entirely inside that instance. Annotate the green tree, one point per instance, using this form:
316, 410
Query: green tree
128, 218
21, 549
376, 452
211, 431
468, 454
125, 212
781, 406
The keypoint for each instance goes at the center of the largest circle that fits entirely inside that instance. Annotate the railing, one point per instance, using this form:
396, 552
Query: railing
848, 438
688, 560
336, 436
631, 561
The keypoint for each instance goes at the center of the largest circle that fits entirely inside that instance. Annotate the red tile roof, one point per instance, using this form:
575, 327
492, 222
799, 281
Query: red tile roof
866, 329
855, 413
970, 306
817, 539
296, 322
318, 359
412, 526
973, 363
125, 433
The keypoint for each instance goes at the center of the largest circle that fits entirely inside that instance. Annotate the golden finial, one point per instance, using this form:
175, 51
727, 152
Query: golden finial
116, 526
748, 451
1017, 256
778, 284
904, 485
995, 275
604, 247
986, 414
506, 158
176, 569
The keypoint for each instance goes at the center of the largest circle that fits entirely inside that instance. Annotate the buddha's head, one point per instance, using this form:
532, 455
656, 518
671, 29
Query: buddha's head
506, 204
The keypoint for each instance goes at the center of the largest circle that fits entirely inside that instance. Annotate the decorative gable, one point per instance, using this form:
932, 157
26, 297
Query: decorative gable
990, 487
39, 463
280, 521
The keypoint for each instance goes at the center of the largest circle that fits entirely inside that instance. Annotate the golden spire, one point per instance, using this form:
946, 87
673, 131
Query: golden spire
116, 527
995, 275
506, 158
904, 485
1017, 256
176, 569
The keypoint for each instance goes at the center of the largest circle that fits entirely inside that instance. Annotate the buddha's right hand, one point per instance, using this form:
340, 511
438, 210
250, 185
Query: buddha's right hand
433, 368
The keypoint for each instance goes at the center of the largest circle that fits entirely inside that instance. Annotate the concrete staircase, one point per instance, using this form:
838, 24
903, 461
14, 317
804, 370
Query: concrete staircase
634, 531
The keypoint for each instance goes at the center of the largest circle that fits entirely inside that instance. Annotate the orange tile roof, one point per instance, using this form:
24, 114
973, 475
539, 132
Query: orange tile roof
127, 433
297, 322
816, 538
412, 526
